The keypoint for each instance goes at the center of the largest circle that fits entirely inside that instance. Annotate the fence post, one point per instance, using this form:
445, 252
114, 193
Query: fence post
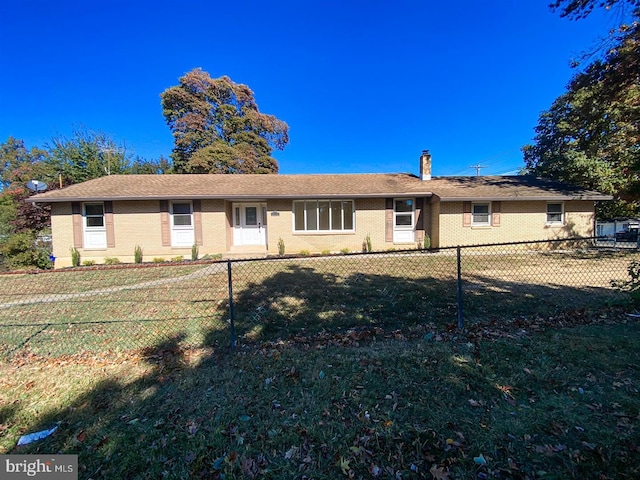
232, 329
460, 319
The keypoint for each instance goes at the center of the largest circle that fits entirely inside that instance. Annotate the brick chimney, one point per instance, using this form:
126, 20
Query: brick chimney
425, 165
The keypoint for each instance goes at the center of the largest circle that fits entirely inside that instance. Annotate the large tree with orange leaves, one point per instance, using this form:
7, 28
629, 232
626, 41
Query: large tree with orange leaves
218, 128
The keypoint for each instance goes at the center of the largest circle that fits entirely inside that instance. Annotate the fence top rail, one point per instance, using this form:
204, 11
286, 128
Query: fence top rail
413, 250
188, 263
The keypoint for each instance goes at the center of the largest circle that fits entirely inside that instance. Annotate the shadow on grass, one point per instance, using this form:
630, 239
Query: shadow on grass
305, 299
182, 416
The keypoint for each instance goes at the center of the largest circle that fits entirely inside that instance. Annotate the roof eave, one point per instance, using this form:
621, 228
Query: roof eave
550, 198
227, 197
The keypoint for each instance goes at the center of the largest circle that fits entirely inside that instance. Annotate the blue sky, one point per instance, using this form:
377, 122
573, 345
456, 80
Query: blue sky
364, 86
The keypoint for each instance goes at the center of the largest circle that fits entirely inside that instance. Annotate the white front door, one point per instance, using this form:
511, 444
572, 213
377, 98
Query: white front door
249, 226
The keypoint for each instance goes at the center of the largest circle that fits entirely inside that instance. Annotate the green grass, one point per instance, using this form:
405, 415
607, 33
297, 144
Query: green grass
120, 309
536, 401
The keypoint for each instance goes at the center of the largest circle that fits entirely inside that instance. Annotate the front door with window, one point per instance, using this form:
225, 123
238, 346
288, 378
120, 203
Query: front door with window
249, 224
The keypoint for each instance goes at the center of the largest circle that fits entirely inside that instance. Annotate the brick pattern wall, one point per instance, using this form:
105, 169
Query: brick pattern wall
139, 223
519, 221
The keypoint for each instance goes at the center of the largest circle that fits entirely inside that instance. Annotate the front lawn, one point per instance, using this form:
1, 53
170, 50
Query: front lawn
520, 400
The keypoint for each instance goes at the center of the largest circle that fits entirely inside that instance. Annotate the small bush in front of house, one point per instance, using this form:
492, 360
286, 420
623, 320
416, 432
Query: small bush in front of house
137, 254
326, 252
345, 250
427, 242
21, 250
212, 256
179, 258
88, 263
158, 260
75, 257
280, 246
111, 261
194, 252
367, 243
304, 253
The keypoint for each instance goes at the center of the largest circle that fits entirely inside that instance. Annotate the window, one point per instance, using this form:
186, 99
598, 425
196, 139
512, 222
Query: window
555, 214
323, 215
480, 214
94, 215
403, 213
251, 216
182, 231
181, 214
95, 230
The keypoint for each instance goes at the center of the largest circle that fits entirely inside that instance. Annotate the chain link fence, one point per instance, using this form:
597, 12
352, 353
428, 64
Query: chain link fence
220, 303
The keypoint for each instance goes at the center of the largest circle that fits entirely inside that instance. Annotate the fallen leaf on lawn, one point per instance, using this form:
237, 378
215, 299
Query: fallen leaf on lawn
343, 464
439, 473
291, 452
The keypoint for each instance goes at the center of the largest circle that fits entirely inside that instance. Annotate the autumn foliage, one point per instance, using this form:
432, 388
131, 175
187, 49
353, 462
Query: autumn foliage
217, 127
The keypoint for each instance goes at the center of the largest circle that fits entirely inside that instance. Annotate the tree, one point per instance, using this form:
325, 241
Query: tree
591, 134
576, 9
142, 166
19, 165
217, 127
86, 155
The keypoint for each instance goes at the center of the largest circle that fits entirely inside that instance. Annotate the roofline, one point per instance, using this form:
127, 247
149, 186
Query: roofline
35, 199
528, 199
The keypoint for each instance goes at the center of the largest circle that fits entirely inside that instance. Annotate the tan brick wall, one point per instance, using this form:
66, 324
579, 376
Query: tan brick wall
519, 221
62, 233
138, 223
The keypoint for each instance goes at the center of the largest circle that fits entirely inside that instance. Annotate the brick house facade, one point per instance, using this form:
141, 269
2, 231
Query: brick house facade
250, 214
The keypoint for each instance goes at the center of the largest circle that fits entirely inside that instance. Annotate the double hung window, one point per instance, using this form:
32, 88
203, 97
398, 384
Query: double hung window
480, 214
555, 214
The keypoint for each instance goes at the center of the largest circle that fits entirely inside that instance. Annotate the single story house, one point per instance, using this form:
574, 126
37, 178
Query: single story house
166, 215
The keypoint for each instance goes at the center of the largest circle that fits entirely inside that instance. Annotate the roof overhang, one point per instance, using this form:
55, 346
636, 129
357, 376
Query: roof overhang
550, 198
317, 196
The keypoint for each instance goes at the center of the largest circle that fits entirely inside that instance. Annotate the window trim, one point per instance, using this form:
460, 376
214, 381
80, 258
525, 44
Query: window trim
555, 222
317, 202
475, 223
411, 226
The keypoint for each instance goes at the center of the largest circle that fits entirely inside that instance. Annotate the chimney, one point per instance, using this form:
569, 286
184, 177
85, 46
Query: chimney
425, 165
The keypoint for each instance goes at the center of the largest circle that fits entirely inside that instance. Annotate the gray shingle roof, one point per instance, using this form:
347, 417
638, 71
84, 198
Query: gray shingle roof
239, 187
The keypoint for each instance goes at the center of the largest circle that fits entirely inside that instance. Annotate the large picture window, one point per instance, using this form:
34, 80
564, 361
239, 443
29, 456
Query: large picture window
323, 215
